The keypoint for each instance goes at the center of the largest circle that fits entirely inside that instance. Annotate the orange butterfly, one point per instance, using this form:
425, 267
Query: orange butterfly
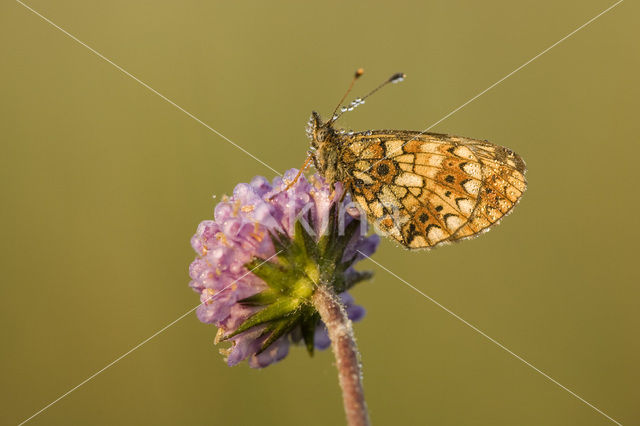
421, 189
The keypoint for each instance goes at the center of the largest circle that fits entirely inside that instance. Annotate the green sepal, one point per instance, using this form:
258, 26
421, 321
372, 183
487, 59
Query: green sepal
265, 297
338, 245
325, 239
277, 330
305, 240
279, 241
308, 328
282, 307
275, 275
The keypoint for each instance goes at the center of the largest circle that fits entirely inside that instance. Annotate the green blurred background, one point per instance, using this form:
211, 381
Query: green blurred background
103, 183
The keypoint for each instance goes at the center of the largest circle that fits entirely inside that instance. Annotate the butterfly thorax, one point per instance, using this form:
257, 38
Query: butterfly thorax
326, 144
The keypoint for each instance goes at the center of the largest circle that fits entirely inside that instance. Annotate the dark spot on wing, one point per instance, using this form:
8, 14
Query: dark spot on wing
382, 169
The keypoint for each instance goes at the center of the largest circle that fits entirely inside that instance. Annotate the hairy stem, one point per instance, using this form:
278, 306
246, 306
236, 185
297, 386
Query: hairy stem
345, 350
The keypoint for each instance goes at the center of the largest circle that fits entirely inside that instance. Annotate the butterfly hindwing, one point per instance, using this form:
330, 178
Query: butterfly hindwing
424, 189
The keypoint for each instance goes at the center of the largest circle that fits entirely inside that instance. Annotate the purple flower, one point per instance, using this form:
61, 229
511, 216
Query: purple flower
256, 268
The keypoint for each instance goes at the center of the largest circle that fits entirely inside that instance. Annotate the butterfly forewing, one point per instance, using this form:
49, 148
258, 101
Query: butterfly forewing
424, 189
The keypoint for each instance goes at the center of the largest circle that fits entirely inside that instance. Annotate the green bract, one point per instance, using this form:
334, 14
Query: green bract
292, 276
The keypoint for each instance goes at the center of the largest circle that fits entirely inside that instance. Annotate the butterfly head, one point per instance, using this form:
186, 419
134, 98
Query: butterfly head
318, 131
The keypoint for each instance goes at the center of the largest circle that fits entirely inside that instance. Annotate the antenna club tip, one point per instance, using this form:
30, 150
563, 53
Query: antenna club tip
359, 72
397, 77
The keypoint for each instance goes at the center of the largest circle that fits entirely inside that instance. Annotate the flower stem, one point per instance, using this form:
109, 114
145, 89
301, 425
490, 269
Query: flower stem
345, 350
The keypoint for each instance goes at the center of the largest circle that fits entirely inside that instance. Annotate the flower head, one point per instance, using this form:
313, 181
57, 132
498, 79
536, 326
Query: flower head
261, 257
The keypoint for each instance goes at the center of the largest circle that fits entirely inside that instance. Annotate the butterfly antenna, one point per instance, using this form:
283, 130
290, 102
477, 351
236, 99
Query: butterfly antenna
356, 76
395, 78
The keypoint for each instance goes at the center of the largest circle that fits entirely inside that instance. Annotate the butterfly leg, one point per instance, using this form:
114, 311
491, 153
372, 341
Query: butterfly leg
346, 187
302, 169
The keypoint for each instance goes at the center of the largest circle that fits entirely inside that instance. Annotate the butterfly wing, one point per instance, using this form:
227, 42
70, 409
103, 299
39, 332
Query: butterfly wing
427, 189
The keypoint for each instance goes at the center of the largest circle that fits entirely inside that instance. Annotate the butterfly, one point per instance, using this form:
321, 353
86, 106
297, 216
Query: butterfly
420, 189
